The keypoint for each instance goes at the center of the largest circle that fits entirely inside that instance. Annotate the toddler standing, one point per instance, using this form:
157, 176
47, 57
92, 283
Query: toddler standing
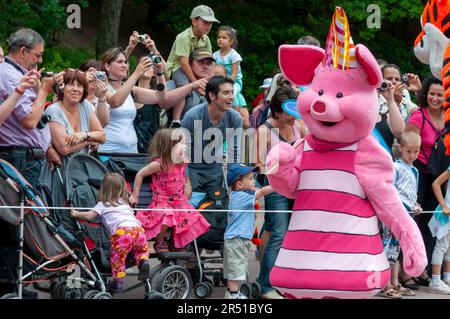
240, 227
126, 233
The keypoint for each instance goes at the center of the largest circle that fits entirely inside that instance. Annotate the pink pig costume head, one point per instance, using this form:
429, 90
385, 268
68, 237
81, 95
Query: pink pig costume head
341, 103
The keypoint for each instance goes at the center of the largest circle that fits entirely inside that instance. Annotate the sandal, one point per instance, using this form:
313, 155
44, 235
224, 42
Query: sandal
390, 292
409, 283
161, 247
404, 291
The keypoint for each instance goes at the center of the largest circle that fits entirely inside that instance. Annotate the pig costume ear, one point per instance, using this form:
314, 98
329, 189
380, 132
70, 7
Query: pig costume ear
369, 64
298, 62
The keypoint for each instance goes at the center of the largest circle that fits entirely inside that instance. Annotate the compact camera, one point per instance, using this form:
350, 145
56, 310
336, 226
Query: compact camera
404, 79
47, 74
156, 59
384, 86
141, 38
100, 75
43, 121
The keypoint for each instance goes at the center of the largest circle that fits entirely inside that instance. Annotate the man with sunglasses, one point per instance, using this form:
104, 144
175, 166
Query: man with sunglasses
24, 137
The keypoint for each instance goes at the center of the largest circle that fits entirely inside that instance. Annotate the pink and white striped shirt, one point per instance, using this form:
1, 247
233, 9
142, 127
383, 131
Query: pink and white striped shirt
333, 247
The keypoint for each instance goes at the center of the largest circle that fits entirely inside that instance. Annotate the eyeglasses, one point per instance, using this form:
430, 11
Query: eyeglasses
37, 54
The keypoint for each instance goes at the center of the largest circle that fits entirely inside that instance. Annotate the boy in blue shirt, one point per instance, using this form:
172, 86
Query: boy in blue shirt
241, 226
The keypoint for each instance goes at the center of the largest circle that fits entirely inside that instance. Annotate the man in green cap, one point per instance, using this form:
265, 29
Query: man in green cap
194, 37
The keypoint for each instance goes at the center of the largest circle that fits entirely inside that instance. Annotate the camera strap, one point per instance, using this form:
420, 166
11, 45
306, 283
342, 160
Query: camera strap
18, 68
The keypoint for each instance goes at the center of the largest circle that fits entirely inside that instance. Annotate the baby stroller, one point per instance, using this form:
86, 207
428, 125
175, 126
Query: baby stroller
46, 249
170, 277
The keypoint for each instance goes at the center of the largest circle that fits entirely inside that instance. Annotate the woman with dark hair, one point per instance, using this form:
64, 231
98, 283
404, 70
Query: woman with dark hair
74, 127
279, 127
427, 121
122, 95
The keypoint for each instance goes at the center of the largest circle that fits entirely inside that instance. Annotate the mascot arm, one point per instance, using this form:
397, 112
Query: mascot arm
375, 171
285, 179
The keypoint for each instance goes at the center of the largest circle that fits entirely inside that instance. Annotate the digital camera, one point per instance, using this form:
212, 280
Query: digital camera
100, 75
141, 38
404, 79
156, 59
384, 86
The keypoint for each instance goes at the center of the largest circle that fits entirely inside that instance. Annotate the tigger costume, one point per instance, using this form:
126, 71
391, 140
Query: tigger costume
432, 46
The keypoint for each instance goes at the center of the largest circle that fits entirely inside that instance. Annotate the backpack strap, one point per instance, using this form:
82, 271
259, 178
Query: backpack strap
280, 137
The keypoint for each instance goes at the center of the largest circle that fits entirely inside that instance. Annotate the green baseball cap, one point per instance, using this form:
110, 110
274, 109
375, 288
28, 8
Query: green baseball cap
200, 54
204, 12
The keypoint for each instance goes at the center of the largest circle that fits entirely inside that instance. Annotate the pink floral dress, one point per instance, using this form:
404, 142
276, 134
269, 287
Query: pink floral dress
168, 193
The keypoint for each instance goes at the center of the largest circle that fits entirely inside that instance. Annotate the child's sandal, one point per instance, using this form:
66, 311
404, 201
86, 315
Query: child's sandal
390, 292
404, 291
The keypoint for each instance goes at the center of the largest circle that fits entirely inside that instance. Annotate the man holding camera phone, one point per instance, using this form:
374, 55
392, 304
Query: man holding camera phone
22, 143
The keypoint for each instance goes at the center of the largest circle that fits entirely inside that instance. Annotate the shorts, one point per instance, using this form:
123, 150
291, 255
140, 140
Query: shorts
180, 78
235, 258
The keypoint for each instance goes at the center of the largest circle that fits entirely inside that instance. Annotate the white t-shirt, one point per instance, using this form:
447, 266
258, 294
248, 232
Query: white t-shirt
114, 217
120, 134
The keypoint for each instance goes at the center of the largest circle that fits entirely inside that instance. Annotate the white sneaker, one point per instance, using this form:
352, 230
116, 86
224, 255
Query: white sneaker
237, 295
439, 287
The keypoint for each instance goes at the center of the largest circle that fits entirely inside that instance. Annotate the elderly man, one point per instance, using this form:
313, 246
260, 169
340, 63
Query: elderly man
24, 135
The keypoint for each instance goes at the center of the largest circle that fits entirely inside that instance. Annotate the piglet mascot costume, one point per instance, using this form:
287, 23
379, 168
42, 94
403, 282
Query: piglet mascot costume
340, 178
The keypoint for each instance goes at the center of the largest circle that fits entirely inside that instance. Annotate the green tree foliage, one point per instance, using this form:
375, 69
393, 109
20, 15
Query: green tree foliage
47, 17
263, 25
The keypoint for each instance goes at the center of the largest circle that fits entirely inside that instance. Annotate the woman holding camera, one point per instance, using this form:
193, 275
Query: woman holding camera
427, 121
74, 127
122, 95
98, 86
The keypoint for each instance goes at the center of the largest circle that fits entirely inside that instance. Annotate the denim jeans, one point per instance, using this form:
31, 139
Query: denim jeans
30, 168
277, 224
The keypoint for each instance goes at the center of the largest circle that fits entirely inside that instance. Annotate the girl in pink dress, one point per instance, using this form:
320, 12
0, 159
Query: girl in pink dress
171, 190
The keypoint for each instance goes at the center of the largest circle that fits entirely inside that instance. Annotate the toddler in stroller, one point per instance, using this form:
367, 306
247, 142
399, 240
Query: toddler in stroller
126, 233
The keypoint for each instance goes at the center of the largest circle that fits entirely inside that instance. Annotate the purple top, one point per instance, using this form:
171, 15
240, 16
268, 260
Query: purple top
11, 131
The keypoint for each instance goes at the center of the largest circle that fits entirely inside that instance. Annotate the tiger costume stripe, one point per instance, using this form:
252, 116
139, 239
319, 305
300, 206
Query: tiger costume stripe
437, 13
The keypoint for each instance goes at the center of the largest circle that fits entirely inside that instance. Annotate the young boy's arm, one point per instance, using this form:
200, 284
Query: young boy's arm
263, 192
89, 216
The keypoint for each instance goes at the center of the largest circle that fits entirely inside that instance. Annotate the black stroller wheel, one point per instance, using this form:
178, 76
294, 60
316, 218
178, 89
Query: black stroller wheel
246, 289
90, 294
103, 295
256, 290
55, 293
174, 282
68, 293
202, 290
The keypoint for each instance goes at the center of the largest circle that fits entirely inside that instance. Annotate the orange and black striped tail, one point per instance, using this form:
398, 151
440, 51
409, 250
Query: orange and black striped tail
446, 83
